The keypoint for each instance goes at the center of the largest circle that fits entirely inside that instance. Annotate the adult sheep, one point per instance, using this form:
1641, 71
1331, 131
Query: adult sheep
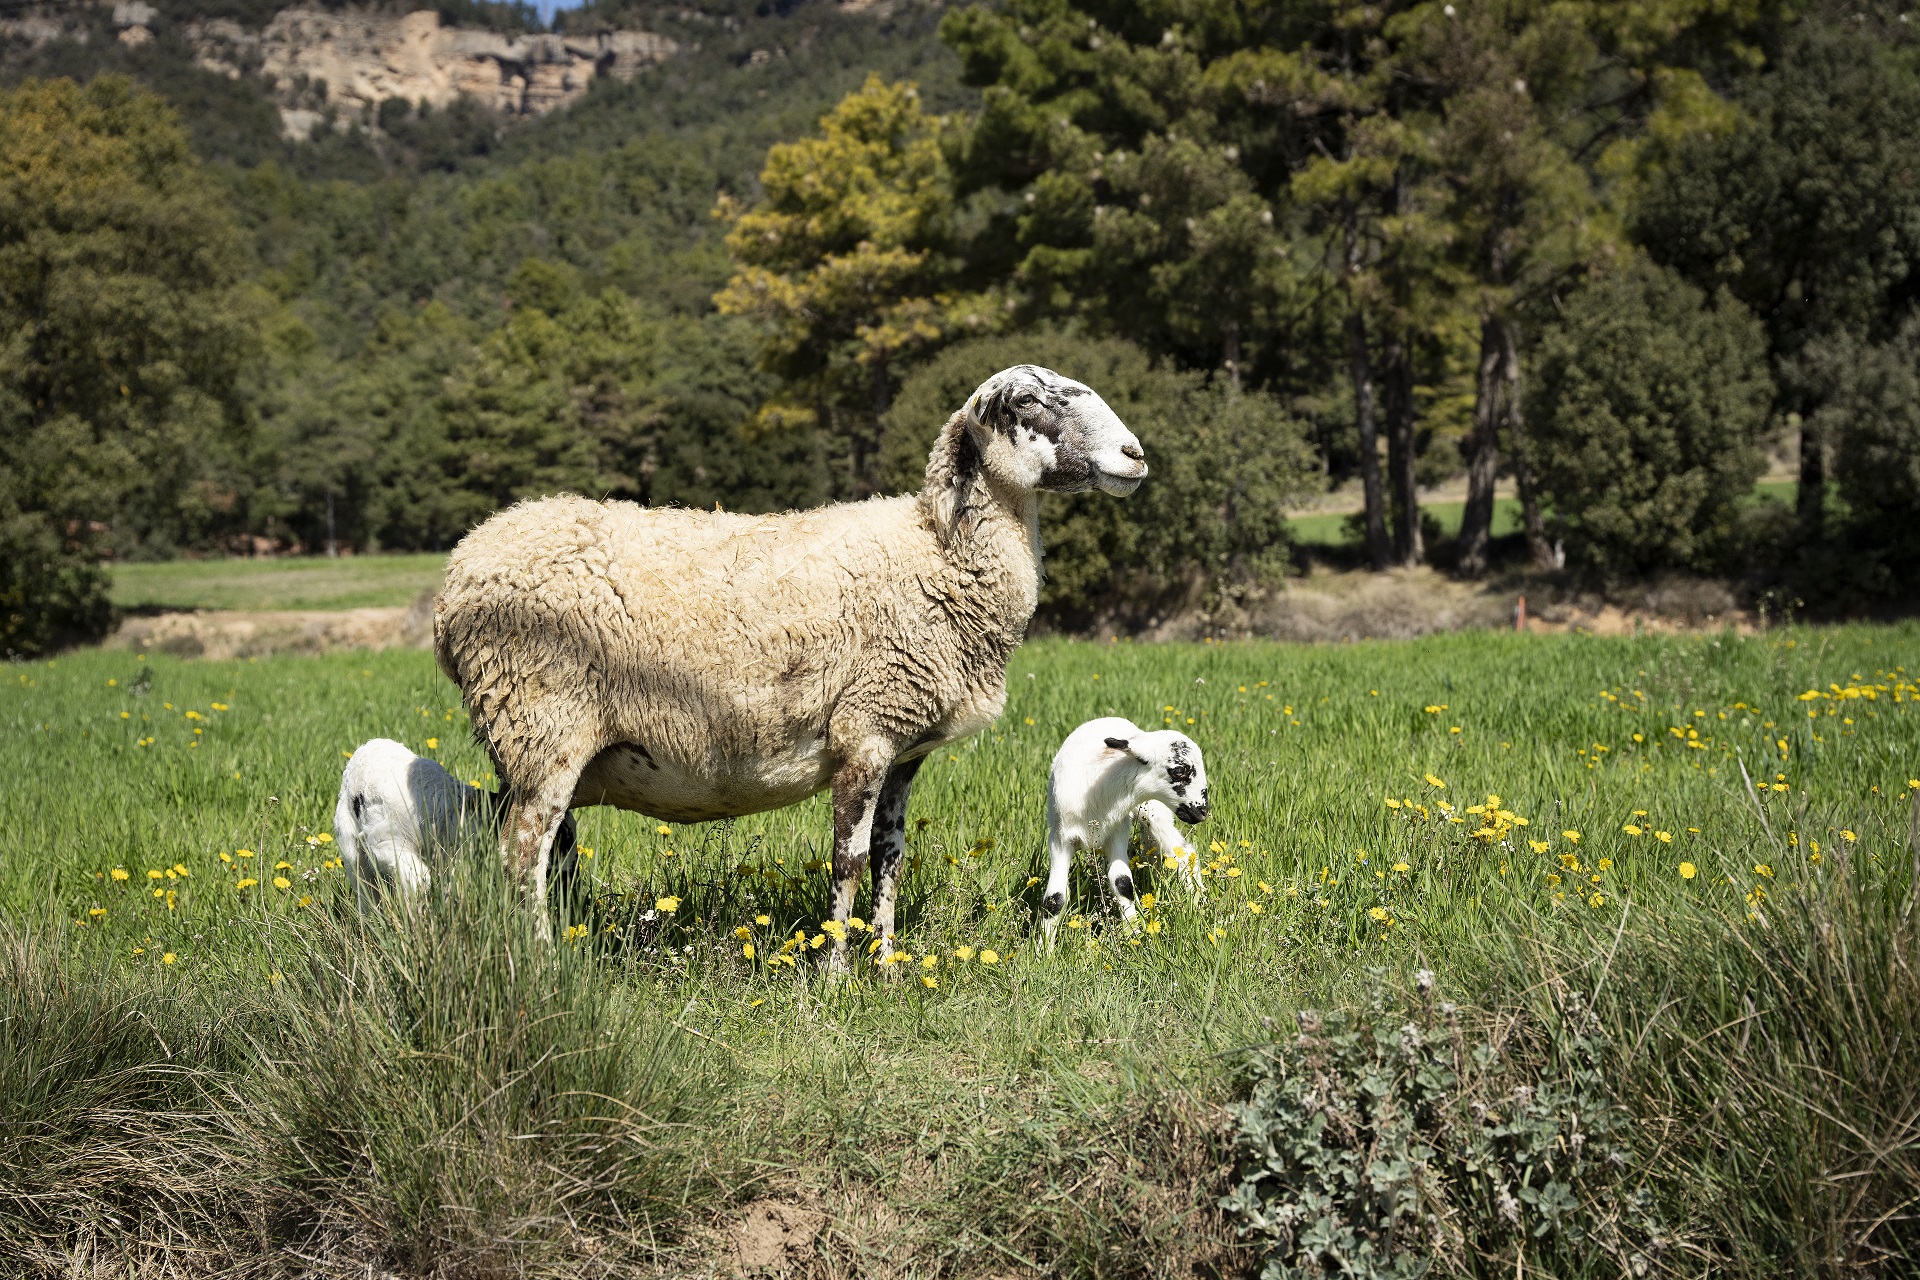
699, 665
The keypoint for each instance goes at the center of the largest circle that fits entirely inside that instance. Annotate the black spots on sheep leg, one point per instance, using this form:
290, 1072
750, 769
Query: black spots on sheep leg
889, 843
856, 794
1053, 903
1124, 887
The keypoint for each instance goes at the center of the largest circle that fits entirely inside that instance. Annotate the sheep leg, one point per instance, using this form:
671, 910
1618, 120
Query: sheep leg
889, 848
533, 819
1120, 871
856, 794
1060, 860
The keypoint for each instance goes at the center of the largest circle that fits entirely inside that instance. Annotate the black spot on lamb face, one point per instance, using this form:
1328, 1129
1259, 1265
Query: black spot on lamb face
1053, 902
359, 807
1124, 887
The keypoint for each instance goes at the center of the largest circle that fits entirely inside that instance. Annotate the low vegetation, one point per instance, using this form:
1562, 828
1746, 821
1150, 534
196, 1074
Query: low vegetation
1600, 950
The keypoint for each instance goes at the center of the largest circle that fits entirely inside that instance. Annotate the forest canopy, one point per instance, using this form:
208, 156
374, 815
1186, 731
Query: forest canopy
1322, 243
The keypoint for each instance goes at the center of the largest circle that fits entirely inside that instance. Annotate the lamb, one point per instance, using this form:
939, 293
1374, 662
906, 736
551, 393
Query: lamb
397, 810
701, 665
1107, 774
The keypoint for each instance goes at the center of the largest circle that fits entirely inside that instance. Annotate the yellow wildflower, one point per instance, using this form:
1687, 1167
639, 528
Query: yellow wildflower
118, 873
1688, 871
246, 883
1378, 913
282, 883
667, 904
989, 956
1574, 836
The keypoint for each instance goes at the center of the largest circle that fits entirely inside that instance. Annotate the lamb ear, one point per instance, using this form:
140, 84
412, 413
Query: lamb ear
1118, 744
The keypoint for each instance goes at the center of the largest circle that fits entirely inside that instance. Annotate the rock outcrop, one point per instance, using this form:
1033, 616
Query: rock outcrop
340, 65
353, 60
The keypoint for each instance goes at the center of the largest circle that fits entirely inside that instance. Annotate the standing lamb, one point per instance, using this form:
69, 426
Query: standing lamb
398, 810
1106, 774
694, 665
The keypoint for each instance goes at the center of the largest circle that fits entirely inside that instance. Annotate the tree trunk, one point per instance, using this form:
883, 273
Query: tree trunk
1483, 453
1408, 546
1230, 354
1377, 551
1811, 501
1517, 444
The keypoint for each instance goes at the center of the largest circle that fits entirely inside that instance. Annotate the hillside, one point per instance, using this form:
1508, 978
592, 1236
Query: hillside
403, 253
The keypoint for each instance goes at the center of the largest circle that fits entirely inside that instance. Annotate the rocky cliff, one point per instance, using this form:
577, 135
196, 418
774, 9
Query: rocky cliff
339, 65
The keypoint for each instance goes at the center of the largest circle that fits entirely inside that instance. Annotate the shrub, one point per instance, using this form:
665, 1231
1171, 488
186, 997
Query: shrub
50, 593
1869, 396
1212, 514
1647, 407
1379, 1144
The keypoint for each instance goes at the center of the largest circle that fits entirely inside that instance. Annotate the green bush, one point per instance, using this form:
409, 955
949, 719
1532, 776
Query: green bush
1869, 395
1389, 1142
1211, 517
50, 594
1646, 408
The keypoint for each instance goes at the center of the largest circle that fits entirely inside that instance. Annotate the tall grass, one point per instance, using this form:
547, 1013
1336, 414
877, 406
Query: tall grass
449, 1092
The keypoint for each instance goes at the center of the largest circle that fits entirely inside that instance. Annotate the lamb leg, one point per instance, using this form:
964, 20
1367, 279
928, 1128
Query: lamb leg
889, 847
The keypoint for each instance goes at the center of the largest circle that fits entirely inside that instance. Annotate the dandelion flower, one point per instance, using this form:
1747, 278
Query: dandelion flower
1598, 900
816, 940
1848, 836
168, 958
929, 980
989, 956
1688, 871
282, 883
1255, 907
1402, 867
663, 830
1631, 829
156, 875
118, 873
98, 913
1392, 803
1538, 846
1606, 864
1435, 782
1378, 913
747, 951
834, 929
1034, 880
1762, 869
669, 905
963, 953
246, 883
1664, 837
1153, 926
283, 866
1574, 836
762, 921
743, 933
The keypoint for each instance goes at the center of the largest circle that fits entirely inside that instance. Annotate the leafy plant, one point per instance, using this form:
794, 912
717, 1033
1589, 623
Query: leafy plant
1383, 1142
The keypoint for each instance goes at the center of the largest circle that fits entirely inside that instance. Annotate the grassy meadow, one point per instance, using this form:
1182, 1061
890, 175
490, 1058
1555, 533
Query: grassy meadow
290, 583
1675, 873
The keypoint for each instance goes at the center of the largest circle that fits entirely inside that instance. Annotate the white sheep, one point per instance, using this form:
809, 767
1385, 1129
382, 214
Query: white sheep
397, 811
1107, 774
696, 665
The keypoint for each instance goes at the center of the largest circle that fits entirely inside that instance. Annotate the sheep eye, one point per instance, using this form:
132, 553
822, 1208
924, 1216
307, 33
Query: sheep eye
1026, 400
1180, 773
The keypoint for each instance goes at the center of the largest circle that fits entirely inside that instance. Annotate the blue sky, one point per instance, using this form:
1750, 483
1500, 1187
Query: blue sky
547, 8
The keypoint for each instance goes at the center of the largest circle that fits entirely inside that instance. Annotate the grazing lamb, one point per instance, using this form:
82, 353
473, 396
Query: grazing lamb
397, 810
1106, 774
696, 665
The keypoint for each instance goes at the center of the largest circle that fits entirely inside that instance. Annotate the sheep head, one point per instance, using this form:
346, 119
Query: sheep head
1035, 429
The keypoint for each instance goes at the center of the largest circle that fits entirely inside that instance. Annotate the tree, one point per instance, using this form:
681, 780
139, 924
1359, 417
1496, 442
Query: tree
1648, 406
1808, 211
122, 334
839, 262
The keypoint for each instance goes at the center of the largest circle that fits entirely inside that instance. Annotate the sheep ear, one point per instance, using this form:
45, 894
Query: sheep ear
1119, 744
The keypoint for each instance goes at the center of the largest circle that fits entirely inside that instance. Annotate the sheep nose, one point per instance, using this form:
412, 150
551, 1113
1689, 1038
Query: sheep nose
1133, 451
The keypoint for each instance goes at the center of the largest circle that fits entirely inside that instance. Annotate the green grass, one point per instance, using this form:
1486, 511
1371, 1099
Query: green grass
454, 1093
353, 582
1331, 529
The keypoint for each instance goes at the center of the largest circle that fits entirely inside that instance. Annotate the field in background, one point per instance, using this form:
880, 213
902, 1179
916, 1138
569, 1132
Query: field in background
1332, 528
1524, 815
304, 582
